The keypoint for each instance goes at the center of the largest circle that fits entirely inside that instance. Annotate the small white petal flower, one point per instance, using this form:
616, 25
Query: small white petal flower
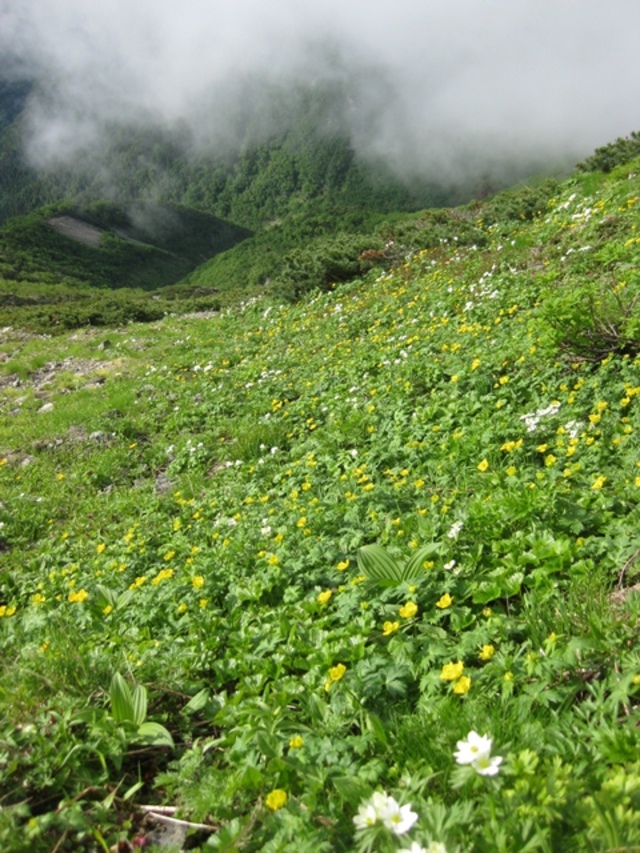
399, 819
473, 748
367, 816
486, 765
456, 527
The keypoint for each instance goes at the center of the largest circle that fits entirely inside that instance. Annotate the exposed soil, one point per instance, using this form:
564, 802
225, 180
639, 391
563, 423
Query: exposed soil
77, 230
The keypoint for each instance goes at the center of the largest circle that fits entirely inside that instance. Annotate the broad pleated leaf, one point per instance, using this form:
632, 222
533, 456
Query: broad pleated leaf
139, 702
122, 709
376, 565
154, 734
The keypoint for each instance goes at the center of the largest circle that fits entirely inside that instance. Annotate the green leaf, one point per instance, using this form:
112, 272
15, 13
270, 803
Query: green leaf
154, 734
197, 702
122, 707
486, 591
139, 701
105, 597
124, 598
376, 565
351, 789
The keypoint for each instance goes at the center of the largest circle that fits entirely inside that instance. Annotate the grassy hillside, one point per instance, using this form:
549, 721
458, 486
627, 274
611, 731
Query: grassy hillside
275, 567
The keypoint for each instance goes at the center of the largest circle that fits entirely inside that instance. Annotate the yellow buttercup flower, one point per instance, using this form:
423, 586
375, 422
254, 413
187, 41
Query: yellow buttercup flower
445, 601
482, 466
598, 484
487, 652
78, 596
462, 685
409, 610
452, 671
389, 628
276, 799
296, 742
323, 597
343, 565
335, 674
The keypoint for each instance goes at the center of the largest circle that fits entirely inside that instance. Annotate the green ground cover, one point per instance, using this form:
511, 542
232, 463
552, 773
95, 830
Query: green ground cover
194, 616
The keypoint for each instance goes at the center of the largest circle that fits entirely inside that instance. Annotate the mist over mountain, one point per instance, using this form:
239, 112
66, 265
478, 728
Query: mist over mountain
447, 91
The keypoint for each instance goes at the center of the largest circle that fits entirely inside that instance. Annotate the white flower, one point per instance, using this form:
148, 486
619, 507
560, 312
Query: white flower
448, 566
474, 747
367, 816
456, 527
385, 809
487, 766
476, 751
399, 819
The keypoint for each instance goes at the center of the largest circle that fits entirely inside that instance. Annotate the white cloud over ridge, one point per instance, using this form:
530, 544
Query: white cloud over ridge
433, 83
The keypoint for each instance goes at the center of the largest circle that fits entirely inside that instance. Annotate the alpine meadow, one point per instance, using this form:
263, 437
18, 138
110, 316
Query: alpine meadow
319, 500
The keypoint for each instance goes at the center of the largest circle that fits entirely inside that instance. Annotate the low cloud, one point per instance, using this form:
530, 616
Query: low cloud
440, 88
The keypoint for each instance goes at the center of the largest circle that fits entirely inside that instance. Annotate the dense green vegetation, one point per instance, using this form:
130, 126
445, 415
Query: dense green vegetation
285, 568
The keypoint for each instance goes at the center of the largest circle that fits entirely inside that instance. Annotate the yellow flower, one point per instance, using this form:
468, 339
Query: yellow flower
389, 627
197, 582
38, 598
541, 448
511, 470
296, 742
7, 611
598, 483
452, 671
482, 466
301, 522
445, 601
475, 364
487, 652
323, 597
203, 603
276, 799
336, 672
462, 685
100, 548
343, 566
163, 575
182, 608
273, 559
550, 460
508, 446
78, 596
409, 610
107, 610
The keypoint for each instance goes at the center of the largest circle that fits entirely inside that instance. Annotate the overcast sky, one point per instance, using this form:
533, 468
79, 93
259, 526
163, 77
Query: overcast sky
434, 79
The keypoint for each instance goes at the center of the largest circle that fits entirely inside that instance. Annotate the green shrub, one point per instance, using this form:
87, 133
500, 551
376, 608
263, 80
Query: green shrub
594, 320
